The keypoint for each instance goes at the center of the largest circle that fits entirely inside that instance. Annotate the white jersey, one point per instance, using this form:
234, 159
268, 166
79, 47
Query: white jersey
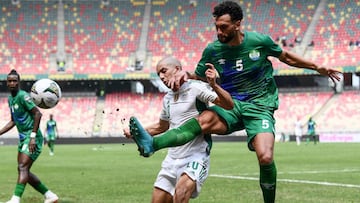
298, 128
182, 105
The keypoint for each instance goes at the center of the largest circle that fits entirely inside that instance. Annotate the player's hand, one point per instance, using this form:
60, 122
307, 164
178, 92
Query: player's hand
127, 133
179, 78
126, 130
333, 74
32, 145
211, 74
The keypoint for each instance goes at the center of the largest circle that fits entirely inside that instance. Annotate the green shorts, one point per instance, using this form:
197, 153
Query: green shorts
311, 132
251, 117
23, 147
51, 137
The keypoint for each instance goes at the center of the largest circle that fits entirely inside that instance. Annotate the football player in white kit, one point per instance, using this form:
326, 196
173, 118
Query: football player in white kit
186, 167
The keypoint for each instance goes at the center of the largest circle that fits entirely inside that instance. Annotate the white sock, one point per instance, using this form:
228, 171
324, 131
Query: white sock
15, 198
49, 194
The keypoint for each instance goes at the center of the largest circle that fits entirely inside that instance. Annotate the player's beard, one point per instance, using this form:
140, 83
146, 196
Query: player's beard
226, 38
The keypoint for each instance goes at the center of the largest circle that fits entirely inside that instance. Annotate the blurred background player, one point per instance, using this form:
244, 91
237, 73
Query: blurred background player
185, 168
298, 130
51, 133
26, 117
311, 131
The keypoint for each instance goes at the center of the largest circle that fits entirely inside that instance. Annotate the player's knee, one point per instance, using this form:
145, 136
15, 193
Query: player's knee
265, 158
22, 167
210, 122
206, 117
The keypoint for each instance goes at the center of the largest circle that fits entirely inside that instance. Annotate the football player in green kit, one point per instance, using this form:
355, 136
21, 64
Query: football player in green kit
51, 133
241, 59
26, 117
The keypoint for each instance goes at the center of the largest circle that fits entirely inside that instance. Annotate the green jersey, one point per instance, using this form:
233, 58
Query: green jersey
245, 70
50, 129
20, 108
311, 127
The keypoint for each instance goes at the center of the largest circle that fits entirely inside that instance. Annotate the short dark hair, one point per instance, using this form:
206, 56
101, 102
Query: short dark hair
229, 7
14, 72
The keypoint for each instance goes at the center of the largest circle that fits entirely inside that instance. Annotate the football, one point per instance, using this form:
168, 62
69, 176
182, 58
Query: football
45, 93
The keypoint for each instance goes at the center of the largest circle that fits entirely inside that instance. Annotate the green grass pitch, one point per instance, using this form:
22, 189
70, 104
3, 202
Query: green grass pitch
115, 173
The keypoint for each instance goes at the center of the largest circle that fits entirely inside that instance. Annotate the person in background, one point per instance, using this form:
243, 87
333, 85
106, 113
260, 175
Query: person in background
185, 168
311, 133
298, 130
26, 117
52, 133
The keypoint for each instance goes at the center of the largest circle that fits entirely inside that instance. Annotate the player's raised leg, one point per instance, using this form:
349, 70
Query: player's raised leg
142, 138
172, 138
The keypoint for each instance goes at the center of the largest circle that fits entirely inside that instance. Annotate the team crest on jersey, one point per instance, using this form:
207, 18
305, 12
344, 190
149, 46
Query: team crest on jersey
16, 106
254, 55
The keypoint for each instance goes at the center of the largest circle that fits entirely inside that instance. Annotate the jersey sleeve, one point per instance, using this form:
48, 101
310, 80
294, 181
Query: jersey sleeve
203, 91
273, 49
27, 102
205, 58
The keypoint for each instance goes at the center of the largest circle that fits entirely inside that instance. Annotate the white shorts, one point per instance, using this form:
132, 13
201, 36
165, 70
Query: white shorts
196, 167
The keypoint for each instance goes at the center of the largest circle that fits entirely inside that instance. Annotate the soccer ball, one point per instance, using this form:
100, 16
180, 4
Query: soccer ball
45, 93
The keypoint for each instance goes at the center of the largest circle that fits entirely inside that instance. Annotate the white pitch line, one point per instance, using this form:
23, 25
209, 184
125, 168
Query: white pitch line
289, 180
310, 172
327, 171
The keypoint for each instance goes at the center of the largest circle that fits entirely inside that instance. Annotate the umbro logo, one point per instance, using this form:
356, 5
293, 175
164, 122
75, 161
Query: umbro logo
221, 61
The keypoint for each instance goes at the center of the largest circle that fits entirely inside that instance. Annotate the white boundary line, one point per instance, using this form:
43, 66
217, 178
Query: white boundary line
309, 172
289, 180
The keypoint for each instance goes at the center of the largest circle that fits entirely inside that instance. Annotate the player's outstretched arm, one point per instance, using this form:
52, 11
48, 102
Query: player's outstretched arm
180, 77
295, 60
7, 127
37, 117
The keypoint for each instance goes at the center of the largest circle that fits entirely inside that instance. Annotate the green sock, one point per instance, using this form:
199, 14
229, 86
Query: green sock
41, 188
268, 182
51, 145
178, 136
19, 189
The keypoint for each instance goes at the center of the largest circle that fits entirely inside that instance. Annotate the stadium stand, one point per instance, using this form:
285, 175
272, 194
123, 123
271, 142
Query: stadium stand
299, 104
284, 21
119, 106
343, 114
101, 37
184, 29
74, 115
288, 19
27, 35
180, 29
338, 25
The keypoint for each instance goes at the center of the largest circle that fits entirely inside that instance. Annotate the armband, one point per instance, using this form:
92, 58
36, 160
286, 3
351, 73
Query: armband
33, 135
